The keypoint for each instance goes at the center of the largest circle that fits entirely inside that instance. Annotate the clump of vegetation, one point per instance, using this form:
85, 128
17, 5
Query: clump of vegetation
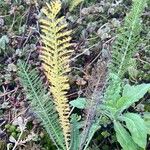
57, 98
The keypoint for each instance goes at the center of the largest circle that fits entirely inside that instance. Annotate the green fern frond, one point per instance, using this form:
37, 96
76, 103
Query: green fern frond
55, 56
127, 40
41, 103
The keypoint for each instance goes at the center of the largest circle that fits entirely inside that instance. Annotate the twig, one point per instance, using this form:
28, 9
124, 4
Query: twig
19, 138
4, 94
17, 142
72, 59
13, 22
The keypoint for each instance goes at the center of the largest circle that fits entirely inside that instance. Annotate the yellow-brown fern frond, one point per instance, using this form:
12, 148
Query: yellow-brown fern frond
55, 56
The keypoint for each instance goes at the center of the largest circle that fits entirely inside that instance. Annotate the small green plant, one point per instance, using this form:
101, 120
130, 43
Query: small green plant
133, 122
4, 40
120, 96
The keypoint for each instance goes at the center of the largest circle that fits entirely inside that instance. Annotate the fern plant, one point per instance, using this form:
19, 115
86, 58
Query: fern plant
55, 56
127, 40
118, 96
41, 103
124, 47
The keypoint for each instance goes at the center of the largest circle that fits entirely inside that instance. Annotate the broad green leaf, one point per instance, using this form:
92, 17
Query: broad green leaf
147, 121
124, 137
3, 41
80, 103
131, 94
137, 128
147, 115
118, 106
121, 102
135, 92
107, 107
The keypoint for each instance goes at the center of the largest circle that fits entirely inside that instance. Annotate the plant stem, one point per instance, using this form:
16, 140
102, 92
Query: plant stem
17, 142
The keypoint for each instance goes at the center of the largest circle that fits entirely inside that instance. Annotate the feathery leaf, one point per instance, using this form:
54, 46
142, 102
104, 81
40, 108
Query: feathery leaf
127, 40
41, 103
55, 56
